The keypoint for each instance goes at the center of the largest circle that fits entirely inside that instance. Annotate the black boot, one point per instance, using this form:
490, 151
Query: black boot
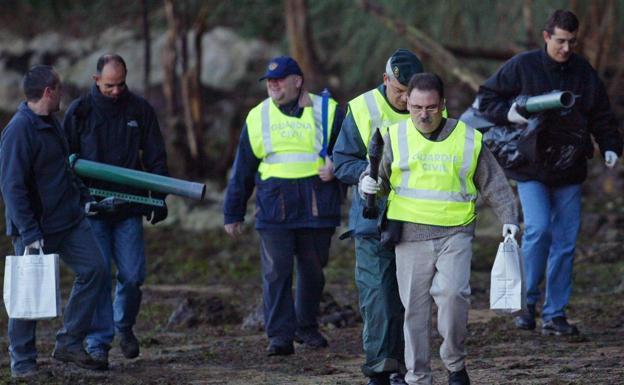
78, 356
280, 350
379, 379
526, 320
459, 378
311, 338
559, 326
129, 344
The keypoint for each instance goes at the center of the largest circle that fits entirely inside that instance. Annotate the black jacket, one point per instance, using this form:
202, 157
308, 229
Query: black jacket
41, 193
534, 73
122, 132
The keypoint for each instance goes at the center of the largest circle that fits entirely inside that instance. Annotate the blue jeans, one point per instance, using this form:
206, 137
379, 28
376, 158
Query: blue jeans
279, 247
76, 249
552, 217
122, 242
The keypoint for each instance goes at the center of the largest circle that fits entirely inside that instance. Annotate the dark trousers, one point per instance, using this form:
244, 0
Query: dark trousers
380, 306
279, 249
78, 249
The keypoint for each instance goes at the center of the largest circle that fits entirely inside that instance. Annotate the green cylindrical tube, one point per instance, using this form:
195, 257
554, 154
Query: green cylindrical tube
558, 99
138, 179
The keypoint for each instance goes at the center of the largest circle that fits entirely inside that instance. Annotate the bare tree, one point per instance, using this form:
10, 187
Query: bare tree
190, 126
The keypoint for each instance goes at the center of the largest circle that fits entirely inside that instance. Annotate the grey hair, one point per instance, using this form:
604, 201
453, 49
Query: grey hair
389, 70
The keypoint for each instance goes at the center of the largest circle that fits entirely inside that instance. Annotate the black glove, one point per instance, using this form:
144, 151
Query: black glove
108, 205
157, 214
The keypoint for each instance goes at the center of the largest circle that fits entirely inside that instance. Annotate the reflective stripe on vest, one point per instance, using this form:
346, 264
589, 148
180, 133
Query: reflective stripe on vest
442, 205
280, 162
370, 110
373, 110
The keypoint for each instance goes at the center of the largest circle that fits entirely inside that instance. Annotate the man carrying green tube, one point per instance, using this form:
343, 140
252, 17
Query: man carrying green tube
112, 125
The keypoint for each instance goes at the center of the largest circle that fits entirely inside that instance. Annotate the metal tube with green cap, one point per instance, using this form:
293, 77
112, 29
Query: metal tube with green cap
138, 179
548, 101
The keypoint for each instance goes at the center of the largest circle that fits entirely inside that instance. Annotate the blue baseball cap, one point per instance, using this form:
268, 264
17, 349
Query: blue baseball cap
280, 67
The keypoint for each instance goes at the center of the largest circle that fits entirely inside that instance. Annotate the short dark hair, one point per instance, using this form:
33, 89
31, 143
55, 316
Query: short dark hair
37, 79
107, 58
426, 81
563, 19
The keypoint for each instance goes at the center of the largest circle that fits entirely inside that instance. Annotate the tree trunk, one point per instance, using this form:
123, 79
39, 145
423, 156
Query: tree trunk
529, 26
301, 42
147, 49
169, 60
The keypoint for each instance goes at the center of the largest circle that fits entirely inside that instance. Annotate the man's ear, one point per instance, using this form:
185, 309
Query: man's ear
47, 91
299, 82
546, 36
95, 77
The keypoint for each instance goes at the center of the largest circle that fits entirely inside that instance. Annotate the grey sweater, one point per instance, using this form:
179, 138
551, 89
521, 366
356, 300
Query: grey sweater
489, 179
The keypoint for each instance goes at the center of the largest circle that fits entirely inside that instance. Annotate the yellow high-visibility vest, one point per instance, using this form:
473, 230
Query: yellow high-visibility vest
288, 146
371, 110
432, 182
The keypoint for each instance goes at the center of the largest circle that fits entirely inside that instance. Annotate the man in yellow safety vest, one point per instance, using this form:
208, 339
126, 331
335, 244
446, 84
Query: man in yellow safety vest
432, 170
284, 152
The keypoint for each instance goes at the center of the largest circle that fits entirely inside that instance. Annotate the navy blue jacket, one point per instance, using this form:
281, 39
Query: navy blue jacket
122, 132
41, 193
533, 73
349, 163
282, 203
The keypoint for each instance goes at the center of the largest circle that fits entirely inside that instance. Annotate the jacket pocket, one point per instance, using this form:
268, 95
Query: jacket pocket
270, 203
325, 199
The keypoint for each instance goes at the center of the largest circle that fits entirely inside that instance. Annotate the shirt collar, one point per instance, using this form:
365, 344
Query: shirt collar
35, 119
107, 103
551, 64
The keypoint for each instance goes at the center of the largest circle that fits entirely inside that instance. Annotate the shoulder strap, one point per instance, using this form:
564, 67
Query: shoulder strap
325, 116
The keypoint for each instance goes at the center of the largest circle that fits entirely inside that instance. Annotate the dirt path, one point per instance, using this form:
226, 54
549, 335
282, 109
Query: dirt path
226, 354
498, 354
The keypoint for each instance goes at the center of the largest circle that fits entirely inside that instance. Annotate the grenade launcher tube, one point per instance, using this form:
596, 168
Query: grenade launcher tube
138, 179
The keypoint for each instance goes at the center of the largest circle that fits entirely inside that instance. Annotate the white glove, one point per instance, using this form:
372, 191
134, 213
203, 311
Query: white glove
514, 116
509, 229
88, 208
38, 244
610, 159
369, 186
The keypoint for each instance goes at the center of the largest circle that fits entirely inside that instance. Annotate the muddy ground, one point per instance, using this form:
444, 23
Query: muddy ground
210, 347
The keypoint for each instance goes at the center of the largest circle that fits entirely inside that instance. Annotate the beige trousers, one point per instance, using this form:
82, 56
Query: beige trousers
437, 270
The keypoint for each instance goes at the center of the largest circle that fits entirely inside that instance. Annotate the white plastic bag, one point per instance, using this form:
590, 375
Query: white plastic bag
32, 286
507, 287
